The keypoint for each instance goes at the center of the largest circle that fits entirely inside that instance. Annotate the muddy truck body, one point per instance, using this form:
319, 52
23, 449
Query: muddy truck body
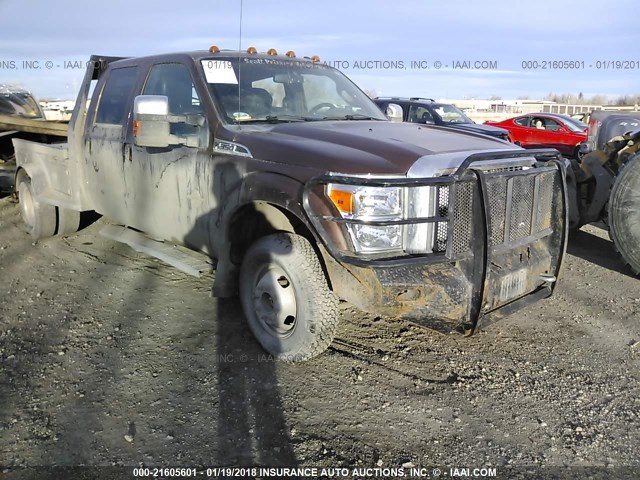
289, 178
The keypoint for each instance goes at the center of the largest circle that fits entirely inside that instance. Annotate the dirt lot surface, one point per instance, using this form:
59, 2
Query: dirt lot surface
112, 358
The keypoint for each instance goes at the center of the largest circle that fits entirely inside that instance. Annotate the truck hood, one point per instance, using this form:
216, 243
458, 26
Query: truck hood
479, 128
359, 147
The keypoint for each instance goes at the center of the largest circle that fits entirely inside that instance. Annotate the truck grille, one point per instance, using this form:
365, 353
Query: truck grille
520, 205
462, 218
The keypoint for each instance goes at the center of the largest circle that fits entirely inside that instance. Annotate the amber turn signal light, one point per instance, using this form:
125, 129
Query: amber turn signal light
342, 200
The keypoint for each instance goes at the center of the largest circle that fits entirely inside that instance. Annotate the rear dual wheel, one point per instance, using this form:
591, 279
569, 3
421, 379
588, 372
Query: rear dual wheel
40, 219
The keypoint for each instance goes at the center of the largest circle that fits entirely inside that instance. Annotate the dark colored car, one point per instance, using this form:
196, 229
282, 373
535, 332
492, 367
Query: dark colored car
429, 112
536, 130
18, 102
15, 102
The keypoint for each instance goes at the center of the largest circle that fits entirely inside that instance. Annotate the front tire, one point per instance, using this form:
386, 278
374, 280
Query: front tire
286, 299
39, 218
624, 213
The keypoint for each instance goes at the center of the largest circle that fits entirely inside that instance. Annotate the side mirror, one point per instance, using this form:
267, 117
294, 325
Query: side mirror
394, 112
151, 127
152, 123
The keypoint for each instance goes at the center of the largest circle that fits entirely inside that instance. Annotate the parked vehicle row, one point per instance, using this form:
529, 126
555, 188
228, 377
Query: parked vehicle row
604, 174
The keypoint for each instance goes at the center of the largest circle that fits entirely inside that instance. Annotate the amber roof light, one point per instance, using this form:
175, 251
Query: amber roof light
291, 54
272, 51
213, 49
315, 58
252, 50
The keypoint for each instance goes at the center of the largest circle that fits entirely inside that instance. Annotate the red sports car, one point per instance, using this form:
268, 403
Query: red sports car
538, 130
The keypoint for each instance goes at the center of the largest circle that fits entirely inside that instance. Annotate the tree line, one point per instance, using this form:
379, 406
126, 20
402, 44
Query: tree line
580, 99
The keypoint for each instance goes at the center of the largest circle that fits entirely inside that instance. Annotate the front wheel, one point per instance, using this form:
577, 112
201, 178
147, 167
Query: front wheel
286, 299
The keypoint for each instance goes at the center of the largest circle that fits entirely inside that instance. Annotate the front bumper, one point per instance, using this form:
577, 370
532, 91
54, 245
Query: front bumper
504, 232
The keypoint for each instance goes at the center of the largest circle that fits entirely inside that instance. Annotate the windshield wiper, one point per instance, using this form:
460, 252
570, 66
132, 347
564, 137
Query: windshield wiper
278, 119
352, 116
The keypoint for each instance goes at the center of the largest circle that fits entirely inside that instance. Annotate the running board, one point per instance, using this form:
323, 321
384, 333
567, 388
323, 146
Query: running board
188, 261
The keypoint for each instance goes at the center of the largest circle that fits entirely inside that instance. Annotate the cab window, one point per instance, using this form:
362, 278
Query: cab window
116, 95
174, 81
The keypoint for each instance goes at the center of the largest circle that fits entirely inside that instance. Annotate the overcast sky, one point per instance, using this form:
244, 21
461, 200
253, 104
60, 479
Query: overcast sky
355, 33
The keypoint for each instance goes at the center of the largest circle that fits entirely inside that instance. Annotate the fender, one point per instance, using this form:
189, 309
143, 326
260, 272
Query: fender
276, 189
50, 171
272, 188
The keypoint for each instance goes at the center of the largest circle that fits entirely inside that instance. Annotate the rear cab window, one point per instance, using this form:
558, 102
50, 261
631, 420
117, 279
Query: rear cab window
115, 99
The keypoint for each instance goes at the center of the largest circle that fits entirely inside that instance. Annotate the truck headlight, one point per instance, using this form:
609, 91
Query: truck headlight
371, 238
377, 202
370, 204
386, 204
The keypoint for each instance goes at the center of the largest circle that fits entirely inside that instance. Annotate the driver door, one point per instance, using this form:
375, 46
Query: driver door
167, 188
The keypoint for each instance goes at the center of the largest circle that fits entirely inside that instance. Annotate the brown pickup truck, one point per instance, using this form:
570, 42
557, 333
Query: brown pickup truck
293, 180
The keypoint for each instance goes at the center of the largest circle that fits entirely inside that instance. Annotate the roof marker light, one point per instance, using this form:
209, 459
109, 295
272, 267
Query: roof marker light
272, 51
213, 49
315, 58
252, 50
291, 54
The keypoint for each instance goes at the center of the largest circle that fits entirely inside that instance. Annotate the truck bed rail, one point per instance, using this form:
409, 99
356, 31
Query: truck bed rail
33, 125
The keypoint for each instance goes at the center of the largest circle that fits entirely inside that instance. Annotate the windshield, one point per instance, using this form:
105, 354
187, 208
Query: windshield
574, 125
451, 114
20, 104
276, 90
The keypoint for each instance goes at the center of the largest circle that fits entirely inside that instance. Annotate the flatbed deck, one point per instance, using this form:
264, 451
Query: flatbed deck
33, 125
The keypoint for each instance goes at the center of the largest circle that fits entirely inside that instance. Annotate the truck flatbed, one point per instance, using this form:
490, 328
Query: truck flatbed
33, 125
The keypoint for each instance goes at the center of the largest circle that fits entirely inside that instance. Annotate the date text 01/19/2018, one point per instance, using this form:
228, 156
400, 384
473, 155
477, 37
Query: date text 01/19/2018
580, 65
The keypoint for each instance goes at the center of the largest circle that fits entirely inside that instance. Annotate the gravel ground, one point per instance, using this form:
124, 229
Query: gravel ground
113, 358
